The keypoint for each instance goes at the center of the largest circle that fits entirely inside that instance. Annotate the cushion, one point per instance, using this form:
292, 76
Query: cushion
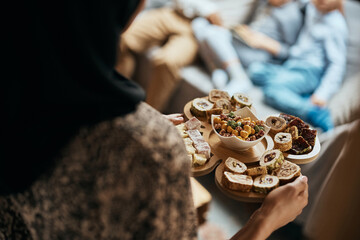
345, 105
352, 10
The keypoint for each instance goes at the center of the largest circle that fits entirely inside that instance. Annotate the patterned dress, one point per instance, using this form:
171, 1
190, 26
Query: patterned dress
127, 178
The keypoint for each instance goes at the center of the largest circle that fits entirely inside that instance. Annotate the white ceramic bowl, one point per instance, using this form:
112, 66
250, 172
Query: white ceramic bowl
234, 142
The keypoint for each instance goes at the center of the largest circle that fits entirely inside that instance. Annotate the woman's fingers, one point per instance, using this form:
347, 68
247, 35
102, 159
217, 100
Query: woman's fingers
175, 118
300, 184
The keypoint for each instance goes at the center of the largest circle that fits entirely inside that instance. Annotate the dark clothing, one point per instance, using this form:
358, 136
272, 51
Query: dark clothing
59, 76
126, 178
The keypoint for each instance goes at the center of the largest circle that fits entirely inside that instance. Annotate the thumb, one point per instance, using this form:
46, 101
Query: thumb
300, 184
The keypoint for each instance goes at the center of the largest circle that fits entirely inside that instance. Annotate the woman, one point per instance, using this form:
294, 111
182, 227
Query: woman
82, 157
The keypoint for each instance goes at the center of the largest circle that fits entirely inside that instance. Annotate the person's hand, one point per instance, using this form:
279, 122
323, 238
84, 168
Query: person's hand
215, 19
258, 40
277, 3
317, 101
284, 204
175, 118
252, 38
280, 207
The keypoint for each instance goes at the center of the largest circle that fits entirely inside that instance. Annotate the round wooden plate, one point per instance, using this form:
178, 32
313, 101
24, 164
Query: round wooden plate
237, 195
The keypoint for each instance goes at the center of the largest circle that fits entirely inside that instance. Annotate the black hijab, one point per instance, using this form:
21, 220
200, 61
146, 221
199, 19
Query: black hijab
59, 75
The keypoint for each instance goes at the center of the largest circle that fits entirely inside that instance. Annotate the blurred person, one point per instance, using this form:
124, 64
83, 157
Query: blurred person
169, 28
82, 156
228, 52
314, 71
334, 186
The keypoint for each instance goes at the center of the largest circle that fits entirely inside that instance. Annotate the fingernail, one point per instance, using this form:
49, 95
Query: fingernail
304, 178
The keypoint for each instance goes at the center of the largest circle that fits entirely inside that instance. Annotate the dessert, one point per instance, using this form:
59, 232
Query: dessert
200, 144
199, 107
224, 104
309, 135
193, 124
238, 182
303, 138
272, 159
198, 149
215, 111
199, 159
276, 124
288, 172
265, 183
283, 141
235, 166
287, 117
256, 171
217, 94
241, 100
293, 131
300, 146
182, 130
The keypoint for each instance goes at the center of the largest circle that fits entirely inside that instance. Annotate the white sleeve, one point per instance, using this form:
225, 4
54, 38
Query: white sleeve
335, 48
195, 8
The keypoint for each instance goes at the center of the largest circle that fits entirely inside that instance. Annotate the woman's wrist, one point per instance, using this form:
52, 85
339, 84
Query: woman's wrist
257, 228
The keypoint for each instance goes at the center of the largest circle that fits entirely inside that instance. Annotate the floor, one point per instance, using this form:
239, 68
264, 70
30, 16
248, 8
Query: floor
226, 216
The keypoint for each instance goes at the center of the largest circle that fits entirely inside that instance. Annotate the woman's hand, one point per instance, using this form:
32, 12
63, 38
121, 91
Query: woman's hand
317, 101
280, 207
215, 19
175, 118
285, 203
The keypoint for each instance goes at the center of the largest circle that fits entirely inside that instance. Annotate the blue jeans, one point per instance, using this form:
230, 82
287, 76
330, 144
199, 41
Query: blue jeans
287, 87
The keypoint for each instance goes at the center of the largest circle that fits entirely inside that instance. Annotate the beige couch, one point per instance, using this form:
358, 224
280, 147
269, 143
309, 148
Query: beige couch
344, 106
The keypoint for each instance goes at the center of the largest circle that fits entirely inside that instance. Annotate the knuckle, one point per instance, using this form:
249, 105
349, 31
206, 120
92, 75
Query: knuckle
291, 189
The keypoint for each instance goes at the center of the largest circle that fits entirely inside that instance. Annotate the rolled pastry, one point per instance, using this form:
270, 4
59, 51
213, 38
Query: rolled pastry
276, 124
217, 94
238, 182
241, 100
283, 141
265, 183
224, 104
288, 172
235, 166
272, 159
199, 107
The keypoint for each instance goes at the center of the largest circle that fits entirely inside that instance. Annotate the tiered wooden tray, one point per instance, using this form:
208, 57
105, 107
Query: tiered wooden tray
250, 157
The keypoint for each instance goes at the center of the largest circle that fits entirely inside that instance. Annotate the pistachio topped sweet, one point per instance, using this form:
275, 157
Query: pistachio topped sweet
272, 159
